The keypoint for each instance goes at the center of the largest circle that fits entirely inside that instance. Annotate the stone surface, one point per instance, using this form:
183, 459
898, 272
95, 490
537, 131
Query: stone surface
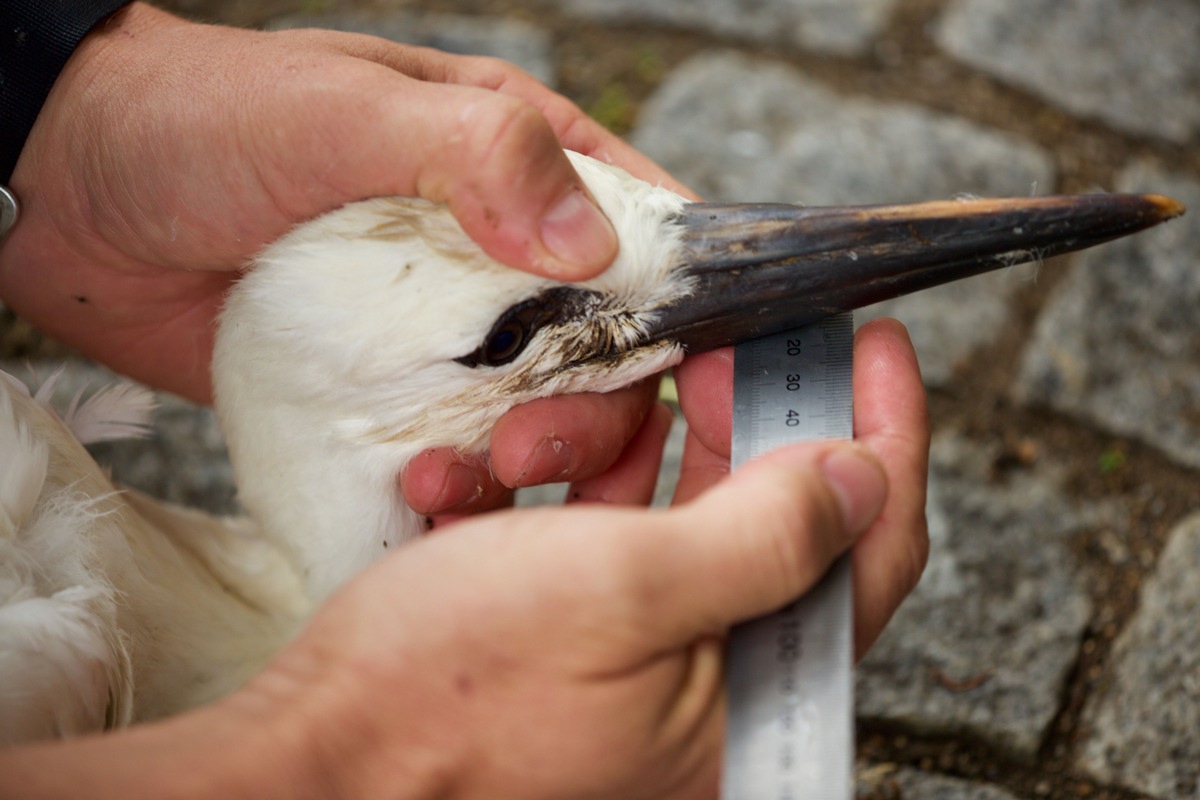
739, 129
1118, 344
1144, 730
984, 644
888, 782
834, 26
527, 46
183, 460
1131, 63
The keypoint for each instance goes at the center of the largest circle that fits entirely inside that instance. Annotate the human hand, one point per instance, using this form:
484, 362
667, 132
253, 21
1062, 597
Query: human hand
578, 652
562, 652
551, 652
890, 419
169, 153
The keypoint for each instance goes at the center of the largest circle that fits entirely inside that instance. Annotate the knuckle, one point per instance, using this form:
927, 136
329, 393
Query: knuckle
485, 154
501, 127
801, 523
493, 73
916, 553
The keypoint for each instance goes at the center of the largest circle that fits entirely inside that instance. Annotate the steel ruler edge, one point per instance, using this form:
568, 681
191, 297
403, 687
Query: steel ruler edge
789, 680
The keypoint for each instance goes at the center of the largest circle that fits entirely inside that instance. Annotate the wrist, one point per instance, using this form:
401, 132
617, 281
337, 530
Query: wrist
36, 42
212, 752
96, 63
317, 718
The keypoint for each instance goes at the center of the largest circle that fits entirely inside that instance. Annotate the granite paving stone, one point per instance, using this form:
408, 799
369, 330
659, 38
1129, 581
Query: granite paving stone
1144, 728
890, 781
843, 27
1130, 63
737, 128
520, 43
983, 646
1118, 344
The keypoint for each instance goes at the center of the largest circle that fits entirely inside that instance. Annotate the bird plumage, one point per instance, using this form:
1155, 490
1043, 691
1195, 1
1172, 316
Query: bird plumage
113, 607
371, 334
64, 663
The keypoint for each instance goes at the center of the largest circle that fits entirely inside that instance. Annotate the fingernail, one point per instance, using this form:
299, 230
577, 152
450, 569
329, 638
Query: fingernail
859, 484
551, 459
577, 233
460, 487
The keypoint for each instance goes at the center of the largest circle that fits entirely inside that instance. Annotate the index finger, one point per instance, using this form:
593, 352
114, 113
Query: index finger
891, 418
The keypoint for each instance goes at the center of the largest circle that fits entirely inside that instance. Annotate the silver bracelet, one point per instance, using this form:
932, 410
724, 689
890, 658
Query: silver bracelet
9, 210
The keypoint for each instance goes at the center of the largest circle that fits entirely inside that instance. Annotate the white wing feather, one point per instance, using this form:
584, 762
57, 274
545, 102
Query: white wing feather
22, 467
122, 410
119, 411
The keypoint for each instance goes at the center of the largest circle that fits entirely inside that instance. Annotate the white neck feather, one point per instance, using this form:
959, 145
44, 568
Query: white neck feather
330, 506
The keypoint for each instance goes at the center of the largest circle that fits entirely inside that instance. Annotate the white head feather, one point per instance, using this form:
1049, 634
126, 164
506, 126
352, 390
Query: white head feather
337, 359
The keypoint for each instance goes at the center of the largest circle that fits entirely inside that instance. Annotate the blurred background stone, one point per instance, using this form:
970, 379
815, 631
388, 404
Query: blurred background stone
1139, 733
1118, 344
843, 27
1132, 64
523, 44
985, 643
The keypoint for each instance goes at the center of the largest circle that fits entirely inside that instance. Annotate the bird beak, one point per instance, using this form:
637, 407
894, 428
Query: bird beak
764, 269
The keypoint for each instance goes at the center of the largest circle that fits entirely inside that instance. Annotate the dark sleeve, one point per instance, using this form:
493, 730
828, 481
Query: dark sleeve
36, 39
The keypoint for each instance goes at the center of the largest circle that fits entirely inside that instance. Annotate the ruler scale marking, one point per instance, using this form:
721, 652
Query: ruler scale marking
790, 733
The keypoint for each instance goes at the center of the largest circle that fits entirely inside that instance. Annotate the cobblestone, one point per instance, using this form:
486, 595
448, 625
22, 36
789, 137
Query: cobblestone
1118, 343
984, 644
888, 781
1141, 735
843, 27
1130, 63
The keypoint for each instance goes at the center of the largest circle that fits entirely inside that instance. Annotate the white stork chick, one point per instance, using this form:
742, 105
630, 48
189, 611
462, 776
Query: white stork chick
381, 330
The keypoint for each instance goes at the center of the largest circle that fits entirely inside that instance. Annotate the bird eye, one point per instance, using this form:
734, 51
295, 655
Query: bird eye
509, 336
517, 326
505, 343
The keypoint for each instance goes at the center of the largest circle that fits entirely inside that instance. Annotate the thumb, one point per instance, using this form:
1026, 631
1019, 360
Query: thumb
765, 535
497, 163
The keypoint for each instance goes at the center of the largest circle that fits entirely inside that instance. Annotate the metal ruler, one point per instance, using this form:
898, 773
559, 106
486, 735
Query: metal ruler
790, 732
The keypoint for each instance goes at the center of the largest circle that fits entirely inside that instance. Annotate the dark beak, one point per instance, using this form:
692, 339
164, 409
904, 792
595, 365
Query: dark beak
764, 269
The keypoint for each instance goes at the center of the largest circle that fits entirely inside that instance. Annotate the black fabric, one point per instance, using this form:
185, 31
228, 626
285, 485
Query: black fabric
36, 39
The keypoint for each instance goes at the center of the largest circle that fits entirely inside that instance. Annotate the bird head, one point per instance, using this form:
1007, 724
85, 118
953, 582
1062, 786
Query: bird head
390, 322
388, 317
380, 329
